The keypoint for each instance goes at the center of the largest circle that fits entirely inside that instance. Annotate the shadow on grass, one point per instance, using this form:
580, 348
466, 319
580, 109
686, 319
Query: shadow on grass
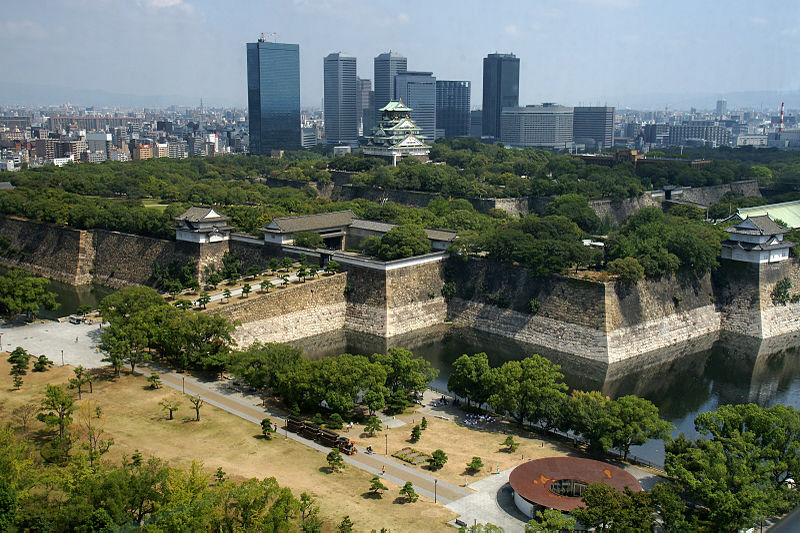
401, 500
369, 495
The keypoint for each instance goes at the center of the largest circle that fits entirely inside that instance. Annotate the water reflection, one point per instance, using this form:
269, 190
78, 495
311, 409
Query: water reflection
70, 297
683, 380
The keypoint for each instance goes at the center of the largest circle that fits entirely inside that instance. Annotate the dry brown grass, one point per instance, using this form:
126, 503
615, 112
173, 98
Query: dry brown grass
461, 444
135, 421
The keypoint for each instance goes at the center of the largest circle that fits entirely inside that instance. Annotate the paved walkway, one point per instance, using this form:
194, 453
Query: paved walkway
53, 339
492, 503
246, 407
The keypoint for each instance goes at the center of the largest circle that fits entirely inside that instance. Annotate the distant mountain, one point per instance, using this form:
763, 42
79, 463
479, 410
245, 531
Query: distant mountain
12, 93
767, 100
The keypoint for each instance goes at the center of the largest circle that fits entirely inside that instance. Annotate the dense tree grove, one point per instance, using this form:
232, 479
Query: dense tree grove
141, 493
21, 292
665, 244
340, 382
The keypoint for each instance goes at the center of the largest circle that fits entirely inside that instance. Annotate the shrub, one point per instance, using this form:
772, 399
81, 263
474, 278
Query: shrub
627, 269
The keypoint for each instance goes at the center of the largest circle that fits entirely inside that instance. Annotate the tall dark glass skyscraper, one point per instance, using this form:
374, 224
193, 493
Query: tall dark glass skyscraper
366, 105
500, 89
273, 96
452, 107
418, 91
387, 66
341, 99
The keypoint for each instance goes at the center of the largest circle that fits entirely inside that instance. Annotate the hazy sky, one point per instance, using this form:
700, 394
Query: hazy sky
571, 51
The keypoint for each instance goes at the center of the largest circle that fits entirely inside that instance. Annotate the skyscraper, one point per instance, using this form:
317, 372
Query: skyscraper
452, 107
341, 95
417, 90
546, 126
722, 107
387, 66
594, 125
273, 96
500, 89
366, 105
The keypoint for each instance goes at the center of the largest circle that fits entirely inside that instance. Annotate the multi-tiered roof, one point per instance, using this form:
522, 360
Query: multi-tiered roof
396, 135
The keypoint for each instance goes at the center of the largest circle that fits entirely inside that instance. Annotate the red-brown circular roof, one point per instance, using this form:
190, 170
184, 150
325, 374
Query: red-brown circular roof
532, 480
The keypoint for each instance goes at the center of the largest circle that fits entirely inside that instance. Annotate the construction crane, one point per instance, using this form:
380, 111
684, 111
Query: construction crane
780, 126
264, 37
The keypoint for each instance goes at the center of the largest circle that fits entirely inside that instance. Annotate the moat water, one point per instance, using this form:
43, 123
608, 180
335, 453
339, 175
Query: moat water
682, 381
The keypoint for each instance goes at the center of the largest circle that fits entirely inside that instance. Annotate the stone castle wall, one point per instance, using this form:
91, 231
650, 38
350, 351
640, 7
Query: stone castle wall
618, 211
300, 310
714, 193
52, 251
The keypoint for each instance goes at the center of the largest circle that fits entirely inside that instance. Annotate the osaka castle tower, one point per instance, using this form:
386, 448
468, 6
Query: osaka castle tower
396, 136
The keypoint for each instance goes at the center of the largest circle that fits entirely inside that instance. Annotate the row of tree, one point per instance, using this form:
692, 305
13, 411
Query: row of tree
532, 390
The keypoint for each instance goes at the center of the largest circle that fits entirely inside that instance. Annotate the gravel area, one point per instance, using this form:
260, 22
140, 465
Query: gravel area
78, 342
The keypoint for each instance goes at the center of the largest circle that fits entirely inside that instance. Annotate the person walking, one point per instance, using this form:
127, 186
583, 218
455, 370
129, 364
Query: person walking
383, 469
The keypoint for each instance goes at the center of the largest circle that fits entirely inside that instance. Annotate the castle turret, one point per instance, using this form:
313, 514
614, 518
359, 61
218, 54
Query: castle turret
397, 136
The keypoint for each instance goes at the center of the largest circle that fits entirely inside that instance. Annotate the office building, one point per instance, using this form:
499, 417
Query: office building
476, 123
366, 106
699, 133
722, 107
273, 96
99, 146
500, 90
417, 90
340, 99
452, 107
387, 66
543, 126
593, 126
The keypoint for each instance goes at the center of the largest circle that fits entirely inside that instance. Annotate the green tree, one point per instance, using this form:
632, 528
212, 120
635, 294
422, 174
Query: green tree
423, 425
226, 293
603, 507
376, 486
333, 267
274, 264
437, 460
530, 389
246, 288
550, 521
576, 208
266, 428
308, 239
266, 285
287, 263
475, 465
80, 380
120, 306
42, 363
336, 421
637, 421
627, 269
409, 492
21, 292
345, 526
669, 505
416, 433
155, 381
738, 466
510, 444
373, 424
203, 300
170, 404
302, 273
56, 410
404, 240
469, 378
335, 460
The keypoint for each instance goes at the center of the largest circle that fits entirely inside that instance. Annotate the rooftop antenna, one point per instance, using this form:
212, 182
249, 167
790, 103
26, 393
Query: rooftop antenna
263, 38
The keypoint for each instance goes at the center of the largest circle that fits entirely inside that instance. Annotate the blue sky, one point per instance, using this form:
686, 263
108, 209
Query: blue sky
571, 51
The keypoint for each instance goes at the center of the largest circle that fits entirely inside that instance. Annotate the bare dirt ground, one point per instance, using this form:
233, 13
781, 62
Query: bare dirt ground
135, 421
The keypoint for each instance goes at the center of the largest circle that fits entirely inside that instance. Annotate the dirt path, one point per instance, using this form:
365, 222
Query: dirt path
424, 484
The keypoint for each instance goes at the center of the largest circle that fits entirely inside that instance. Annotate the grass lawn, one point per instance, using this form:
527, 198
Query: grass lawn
461, 444
135, 421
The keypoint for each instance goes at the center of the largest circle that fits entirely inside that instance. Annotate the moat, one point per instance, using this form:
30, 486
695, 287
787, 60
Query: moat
682, 381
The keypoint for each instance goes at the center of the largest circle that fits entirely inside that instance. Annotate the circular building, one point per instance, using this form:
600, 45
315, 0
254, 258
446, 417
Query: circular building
558, 482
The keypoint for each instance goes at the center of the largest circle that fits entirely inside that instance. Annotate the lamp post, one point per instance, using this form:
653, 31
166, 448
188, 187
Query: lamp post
62, 357
435, 484
183, 384
387, 444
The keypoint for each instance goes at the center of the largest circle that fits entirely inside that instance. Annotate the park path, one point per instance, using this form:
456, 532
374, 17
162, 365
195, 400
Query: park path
398, 473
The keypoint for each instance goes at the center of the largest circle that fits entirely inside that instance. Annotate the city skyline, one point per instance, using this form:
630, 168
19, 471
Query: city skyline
589, 52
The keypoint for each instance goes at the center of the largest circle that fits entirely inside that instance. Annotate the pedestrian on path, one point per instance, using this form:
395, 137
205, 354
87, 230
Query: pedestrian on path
383, 469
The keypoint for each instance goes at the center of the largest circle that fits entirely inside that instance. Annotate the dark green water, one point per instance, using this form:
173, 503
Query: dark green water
70, 297
682, 381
